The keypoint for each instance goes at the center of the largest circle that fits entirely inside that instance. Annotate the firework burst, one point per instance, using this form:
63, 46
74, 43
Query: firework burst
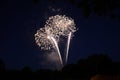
60, 25
42, 39
48, 37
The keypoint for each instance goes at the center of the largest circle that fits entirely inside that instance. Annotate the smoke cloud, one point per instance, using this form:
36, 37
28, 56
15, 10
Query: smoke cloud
50, 61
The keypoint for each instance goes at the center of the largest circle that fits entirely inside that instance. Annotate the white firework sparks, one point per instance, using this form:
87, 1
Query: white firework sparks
46, 41
48, 37
42, 39
61, 25
57, 48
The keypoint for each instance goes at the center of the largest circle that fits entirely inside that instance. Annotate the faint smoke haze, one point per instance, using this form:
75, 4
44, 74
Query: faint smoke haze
50, 61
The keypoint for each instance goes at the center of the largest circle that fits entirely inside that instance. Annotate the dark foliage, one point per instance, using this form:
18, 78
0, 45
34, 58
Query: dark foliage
85, 68
2, 66
99, 7
109, 8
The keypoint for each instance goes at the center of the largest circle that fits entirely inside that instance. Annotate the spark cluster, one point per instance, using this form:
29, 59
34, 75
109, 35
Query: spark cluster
56, 26
60, 25
42, 39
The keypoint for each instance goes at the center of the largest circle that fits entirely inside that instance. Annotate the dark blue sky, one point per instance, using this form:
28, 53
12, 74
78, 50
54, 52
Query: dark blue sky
19, 21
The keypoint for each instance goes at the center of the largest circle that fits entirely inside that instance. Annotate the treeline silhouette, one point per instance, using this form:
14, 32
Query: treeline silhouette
99, 7
95, 67
109, 8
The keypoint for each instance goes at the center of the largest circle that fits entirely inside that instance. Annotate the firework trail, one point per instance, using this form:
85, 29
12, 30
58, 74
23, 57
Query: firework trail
57, 49
54, 41
68, 45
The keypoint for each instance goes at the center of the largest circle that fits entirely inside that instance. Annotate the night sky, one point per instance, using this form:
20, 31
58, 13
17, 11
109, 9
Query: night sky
19, 21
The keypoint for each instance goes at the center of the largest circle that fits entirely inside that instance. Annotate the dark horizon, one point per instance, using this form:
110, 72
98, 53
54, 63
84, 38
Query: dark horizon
95, 67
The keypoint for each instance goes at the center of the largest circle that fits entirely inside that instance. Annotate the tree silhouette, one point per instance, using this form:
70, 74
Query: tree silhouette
2, 66
99, 7
94, 67
109, 8
26, 69
85, 68
100, 63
